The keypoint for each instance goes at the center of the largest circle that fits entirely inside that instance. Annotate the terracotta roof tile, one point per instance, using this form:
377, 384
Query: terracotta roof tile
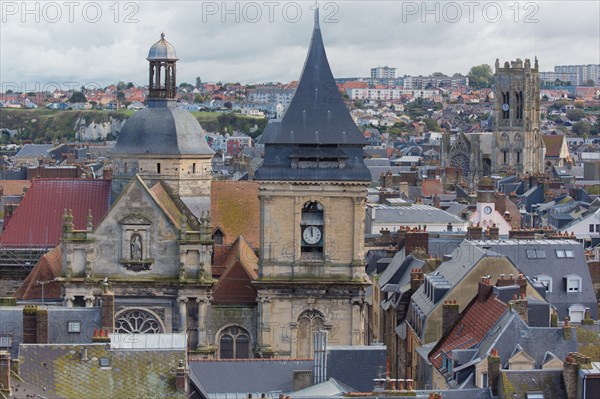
432, 187
14, 187
38, 219
47, 269
476, 321
235, 209
553, 144
234, 285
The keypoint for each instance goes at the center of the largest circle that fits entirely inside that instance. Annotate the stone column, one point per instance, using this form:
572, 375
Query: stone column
69, 301
358, 322
264, 324
203, 304
182, 301
89, 300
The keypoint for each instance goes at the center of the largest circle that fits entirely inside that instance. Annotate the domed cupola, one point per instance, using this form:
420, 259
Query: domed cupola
162, 142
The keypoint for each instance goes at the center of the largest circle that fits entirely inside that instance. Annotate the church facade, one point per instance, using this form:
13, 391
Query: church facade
515, 143
153, 252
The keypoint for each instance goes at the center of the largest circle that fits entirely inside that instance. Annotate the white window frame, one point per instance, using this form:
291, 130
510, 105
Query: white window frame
571, 279
546, 281
484, 380
5, 341
74, 327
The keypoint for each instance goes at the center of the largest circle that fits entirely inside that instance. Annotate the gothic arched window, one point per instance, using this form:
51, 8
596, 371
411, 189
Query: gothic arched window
137, 321
309, 322
234, 343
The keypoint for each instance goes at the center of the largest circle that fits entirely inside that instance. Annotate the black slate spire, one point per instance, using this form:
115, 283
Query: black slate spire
316, 131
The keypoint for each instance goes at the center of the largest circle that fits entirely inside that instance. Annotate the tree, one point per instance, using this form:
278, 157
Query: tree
582, 128
130, 85
438, 75
590, 83
480, 76
77, 97
431, 125
198, 82
575, 114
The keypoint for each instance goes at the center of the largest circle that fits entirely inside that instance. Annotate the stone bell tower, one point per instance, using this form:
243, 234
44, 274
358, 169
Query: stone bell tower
518, 145
313, 186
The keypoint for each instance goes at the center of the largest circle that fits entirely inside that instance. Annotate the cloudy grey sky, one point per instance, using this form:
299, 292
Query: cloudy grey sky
101, 42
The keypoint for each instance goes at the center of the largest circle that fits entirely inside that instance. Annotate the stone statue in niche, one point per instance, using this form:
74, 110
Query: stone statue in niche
135, 247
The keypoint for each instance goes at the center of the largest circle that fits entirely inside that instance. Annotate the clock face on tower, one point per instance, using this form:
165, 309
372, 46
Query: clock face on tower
312, 235
504, 107
487, 210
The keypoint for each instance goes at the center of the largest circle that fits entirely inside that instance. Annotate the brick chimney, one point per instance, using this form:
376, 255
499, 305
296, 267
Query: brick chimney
573, 363
182, 383
493, 233
484, 289
107, 174
521, 234
450, 315
494, 371
474, 232
5, 374
416, 279
520, 305
411, 239
437, 202
35, 325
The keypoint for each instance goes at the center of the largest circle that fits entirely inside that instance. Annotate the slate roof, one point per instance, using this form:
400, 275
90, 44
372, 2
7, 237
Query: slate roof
33, 151
161, 129
356, 366
398, 271
328, 388
37, 222
249, 375
511, 331
316, 119
519, 253
162, 50
550, 382
415, 213
132, 374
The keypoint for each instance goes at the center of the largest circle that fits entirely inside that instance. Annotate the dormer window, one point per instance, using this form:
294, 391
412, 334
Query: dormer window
573, 283
546, 281
564, 253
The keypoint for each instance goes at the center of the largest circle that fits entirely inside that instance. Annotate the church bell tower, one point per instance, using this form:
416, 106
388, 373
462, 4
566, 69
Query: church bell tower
518, 145
313, 186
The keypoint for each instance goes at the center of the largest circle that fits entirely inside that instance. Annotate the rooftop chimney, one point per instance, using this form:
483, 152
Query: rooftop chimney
5, 374
181, 378
494, 371
474, 232
484, 289
450, 315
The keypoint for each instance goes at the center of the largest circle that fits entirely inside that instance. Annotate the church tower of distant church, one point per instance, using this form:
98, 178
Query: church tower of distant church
161, 142
518, 145
313, 186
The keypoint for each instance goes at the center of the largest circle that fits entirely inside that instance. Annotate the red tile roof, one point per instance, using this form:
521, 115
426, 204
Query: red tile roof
235, 285
553, 144
235, 209
432, 187
476, 321
37, 222
14, 187
47, 269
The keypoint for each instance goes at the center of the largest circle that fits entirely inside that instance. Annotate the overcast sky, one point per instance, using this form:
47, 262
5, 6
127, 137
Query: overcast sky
102, 42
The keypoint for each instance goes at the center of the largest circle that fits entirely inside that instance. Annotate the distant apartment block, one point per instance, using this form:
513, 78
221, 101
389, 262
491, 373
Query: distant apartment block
551, 77
267, 94
424, 82
385, 72
390, 94
582, 72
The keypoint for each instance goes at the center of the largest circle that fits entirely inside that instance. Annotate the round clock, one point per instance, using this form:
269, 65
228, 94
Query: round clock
505, 107
311, 235
487, 210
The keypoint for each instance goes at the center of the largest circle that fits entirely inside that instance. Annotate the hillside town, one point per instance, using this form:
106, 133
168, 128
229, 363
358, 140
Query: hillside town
399, 236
